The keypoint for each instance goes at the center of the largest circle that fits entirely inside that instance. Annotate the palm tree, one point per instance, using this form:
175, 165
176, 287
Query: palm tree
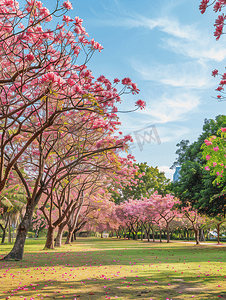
12, 205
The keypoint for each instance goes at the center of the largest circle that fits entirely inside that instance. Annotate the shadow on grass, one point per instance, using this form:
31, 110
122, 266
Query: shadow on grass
84, 253
129, 288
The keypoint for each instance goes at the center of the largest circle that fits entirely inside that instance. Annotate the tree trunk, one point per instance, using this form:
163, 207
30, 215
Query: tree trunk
218, 233
3, 235
72, 237
153, 235
148, 234
202, 237
167, 230
9, 235
68, 240
129, 235
18, 248
160, 235
196, 235
59, 236
50, 238
74, 234
141, 233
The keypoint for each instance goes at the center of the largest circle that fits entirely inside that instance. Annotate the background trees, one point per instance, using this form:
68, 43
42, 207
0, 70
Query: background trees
145, 183
195, 186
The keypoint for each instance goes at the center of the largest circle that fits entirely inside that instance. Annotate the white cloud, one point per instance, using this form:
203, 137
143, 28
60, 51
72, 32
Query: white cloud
168, 172
188, 74
199, 48
171, 108
187, 39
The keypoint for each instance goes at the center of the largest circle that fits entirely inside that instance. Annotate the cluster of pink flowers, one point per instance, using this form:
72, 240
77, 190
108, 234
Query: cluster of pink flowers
67, 4
141, 104
30, 57
67, 19
52, 77
214, 73
218, 5
96, 45
218, 31
203, 6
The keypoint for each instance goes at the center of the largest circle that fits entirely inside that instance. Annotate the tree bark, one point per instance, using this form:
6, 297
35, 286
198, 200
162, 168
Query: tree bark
160, 235
9, 235
3, 235
167, 230
50, 238
196, 235
153, 234
58, 240
18, 248
218, 233
68, 240
202, 236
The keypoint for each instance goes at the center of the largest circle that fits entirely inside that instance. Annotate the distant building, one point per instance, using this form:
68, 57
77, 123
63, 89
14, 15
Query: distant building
176, 174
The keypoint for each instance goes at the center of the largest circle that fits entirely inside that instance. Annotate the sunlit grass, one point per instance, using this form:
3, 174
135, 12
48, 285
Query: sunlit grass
93, 268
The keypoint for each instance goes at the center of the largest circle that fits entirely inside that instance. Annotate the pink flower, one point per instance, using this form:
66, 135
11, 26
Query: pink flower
219, 88
30, 57
217, 173
217, 6
67, 4
214, 164
216, 148
207, 168
218, 31
223, 129
126, 81
208, 157
214, 73
141, 104
203, 6
208, 143
67, 19
116, 80
96, 45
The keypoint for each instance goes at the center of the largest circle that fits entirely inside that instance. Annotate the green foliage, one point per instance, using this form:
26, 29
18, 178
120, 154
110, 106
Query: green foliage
13, 199
152, 180
195, 184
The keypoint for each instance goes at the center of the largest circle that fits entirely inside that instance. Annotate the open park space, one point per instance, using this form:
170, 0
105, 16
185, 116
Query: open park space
94, 268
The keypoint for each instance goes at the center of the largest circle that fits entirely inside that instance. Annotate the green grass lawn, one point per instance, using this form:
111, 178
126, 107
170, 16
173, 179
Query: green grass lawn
93, 268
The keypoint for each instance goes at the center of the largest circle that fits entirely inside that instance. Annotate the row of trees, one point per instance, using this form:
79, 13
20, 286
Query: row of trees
58, 124
60, 148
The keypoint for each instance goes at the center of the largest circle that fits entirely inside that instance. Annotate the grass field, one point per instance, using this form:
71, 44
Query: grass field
93, 268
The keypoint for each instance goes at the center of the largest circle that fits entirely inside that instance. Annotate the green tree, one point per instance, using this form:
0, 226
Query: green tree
195, 184
145, 183
12, 203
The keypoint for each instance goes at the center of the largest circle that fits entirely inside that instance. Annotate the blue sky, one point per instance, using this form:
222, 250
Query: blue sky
167, 47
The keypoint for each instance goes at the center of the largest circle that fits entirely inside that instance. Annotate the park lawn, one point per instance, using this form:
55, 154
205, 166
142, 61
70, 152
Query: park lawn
93, 268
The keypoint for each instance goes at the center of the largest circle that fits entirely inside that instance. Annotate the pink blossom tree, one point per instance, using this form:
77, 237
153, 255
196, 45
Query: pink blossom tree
165, 206
46, 98
196, 220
